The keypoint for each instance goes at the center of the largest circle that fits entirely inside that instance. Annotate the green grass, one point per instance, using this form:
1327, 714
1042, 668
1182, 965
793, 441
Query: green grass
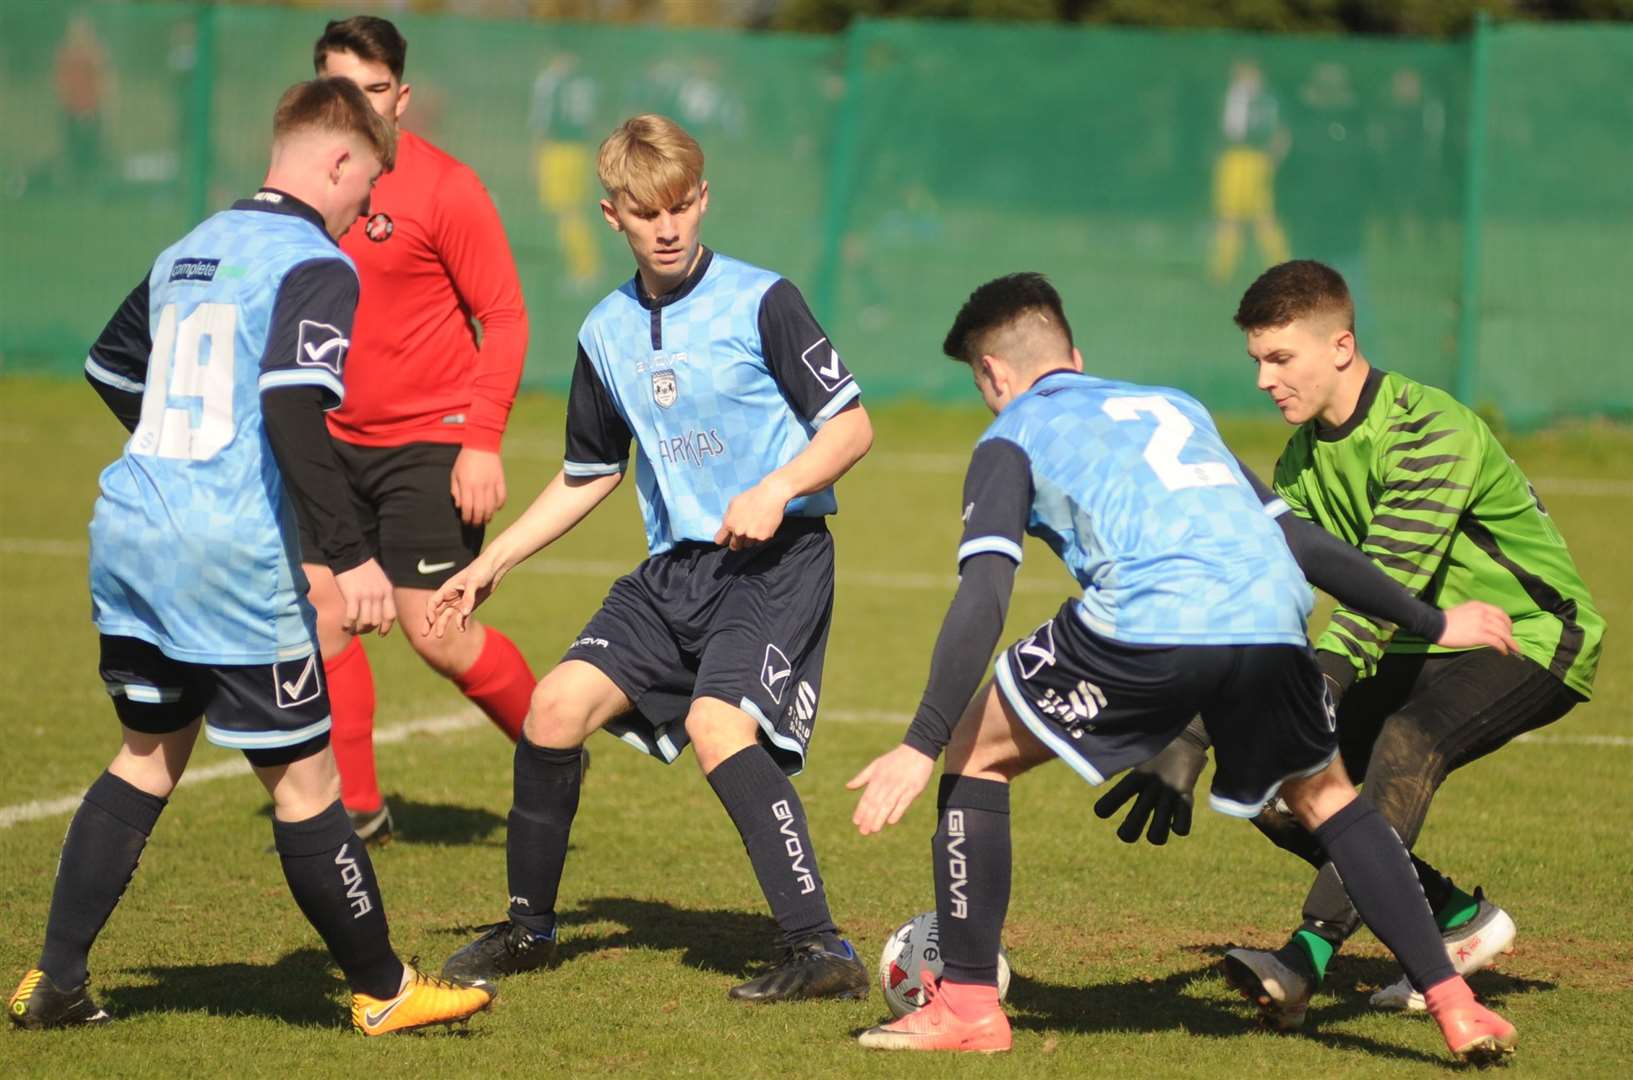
211, 969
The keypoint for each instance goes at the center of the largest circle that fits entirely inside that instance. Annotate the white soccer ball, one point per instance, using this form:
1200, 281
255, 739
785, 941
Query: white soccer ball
914, 947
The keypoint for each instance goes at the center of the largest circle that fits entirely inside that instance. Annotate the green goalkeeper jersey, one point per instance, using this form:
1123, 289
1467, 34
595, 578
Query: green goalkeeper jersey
1419, 483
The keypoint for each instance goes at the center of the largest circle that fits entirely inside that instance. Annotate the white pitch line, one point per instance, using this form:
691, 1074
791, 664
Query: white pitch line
385, 736
442, 725
594, 568
1549, 739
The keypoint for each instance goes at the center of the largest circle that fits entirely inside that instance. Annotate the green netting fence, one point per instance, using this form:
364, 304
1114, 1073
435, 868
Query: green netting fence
1476, 193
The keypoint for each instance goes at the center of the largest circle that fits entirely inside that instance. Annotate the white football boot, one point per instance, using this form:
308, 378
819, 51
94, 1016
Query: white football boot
1470, 947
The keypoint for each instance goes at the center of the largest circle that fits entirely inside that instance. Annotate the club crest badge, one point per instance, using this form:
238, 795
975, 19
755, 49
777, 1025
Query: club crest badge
379, 228
664, 387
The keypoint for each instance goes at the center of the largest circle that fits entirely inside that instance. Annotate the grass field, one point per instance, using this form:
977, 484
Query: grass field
211, 970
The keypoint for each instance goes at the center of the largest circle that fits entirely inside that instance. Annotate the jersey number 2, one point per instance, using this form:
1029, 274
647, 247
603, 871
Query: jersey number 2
177, 371
1163, 449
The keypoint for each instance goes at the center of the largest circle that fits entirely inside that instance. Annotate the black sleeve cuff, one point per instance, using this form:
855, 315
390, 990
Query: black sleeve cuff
125, 405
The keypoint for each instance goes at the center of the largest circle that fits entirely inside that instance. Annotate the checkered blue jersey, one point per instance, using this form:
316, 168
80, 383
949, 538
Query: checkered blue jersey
193, 540
1133, 488
719, 382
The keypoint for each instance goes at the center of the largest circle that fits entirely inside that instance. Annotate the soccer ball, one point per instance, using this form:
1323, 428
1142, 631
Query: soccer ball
912, 947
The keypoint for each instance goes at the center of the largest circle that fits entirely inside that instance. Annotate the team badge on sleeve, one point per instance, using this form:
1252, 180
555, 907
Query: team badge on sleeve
823, 361
320, 345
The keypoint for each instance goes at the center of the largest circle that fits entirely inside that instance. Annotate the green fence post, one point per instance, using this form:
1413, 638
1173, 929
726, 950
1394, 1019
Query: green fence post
1468, 330
201, 157
841, 178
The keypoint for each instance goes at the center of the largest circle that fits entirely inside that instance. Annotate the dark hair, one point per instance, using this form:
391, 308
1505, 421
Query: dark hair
1295, 290
997, 304
368, 37
335, 104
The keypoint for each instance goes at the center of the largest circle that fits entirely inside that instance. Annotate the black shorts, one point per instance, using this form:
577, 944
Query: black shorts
1448, 709
1104, 706
402, 498
271, 711
745, 627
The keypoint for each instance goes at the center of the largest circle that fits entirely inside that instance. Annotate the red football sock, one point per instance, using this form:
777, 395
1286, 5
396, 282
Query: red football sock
500, 683
351, 706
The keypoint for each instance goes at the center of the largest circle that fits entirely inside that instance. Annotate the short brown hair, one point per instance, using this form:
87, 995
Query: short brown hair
1295, 290
368, 37
650, 158
999, 303
335, 104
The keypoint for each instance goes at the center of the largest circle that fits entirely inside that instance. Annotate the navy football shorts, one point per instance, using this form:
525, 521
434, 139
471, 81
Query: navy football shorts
1104, 706
275, 713
746, 627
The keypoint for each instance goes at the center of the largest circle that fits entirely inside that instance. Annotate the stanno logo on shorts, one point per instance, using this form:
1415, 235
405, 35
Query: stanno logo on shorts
774, 673
295, 682
1038, 651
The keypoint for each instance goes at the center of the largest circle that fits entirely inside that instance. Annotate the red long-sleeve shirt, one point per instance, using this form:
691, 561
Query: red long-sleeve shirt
432, 256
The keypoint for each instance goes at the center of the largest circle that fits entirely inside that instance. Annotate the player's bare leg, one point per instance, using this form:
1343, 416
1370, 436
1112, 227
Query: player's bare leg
989, 748
1380, 879
571, 703
483, 663
351, 707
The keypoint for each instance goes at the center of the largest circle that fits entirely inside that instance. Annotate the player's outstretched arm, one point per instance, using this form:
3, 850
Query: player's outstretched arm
1474, 625
892, 781
754, 516
1344, 572
564, 502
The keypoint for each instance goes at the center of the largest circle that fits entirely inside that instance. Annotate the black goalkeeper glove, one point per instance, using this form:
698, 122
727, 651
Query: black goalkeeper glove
1164, 785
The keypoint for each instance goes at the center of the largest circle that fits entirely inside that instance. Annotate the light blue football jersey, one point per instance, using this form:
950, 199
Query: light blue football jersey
720, 383
1134, 489
193, 540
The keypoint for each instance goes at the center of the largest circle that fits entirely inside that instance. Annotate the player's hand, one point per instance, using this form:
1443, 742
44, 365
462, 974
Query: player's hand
1475, 624
1164, 786
892, 781
753, 517
477, 485
460, 595
367, 593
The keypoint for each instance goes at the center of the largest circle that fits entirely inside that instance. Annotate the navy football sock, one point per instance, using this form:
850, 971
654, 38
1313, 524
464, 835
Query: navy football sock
771, 820
99, 856
332, 879
1370, 859
971, 854
544, 802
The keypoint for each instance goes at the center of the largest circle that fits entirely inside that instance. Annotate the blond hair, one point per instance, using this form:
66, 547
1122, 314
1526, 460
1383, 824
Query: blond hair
651, 159
337, 105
